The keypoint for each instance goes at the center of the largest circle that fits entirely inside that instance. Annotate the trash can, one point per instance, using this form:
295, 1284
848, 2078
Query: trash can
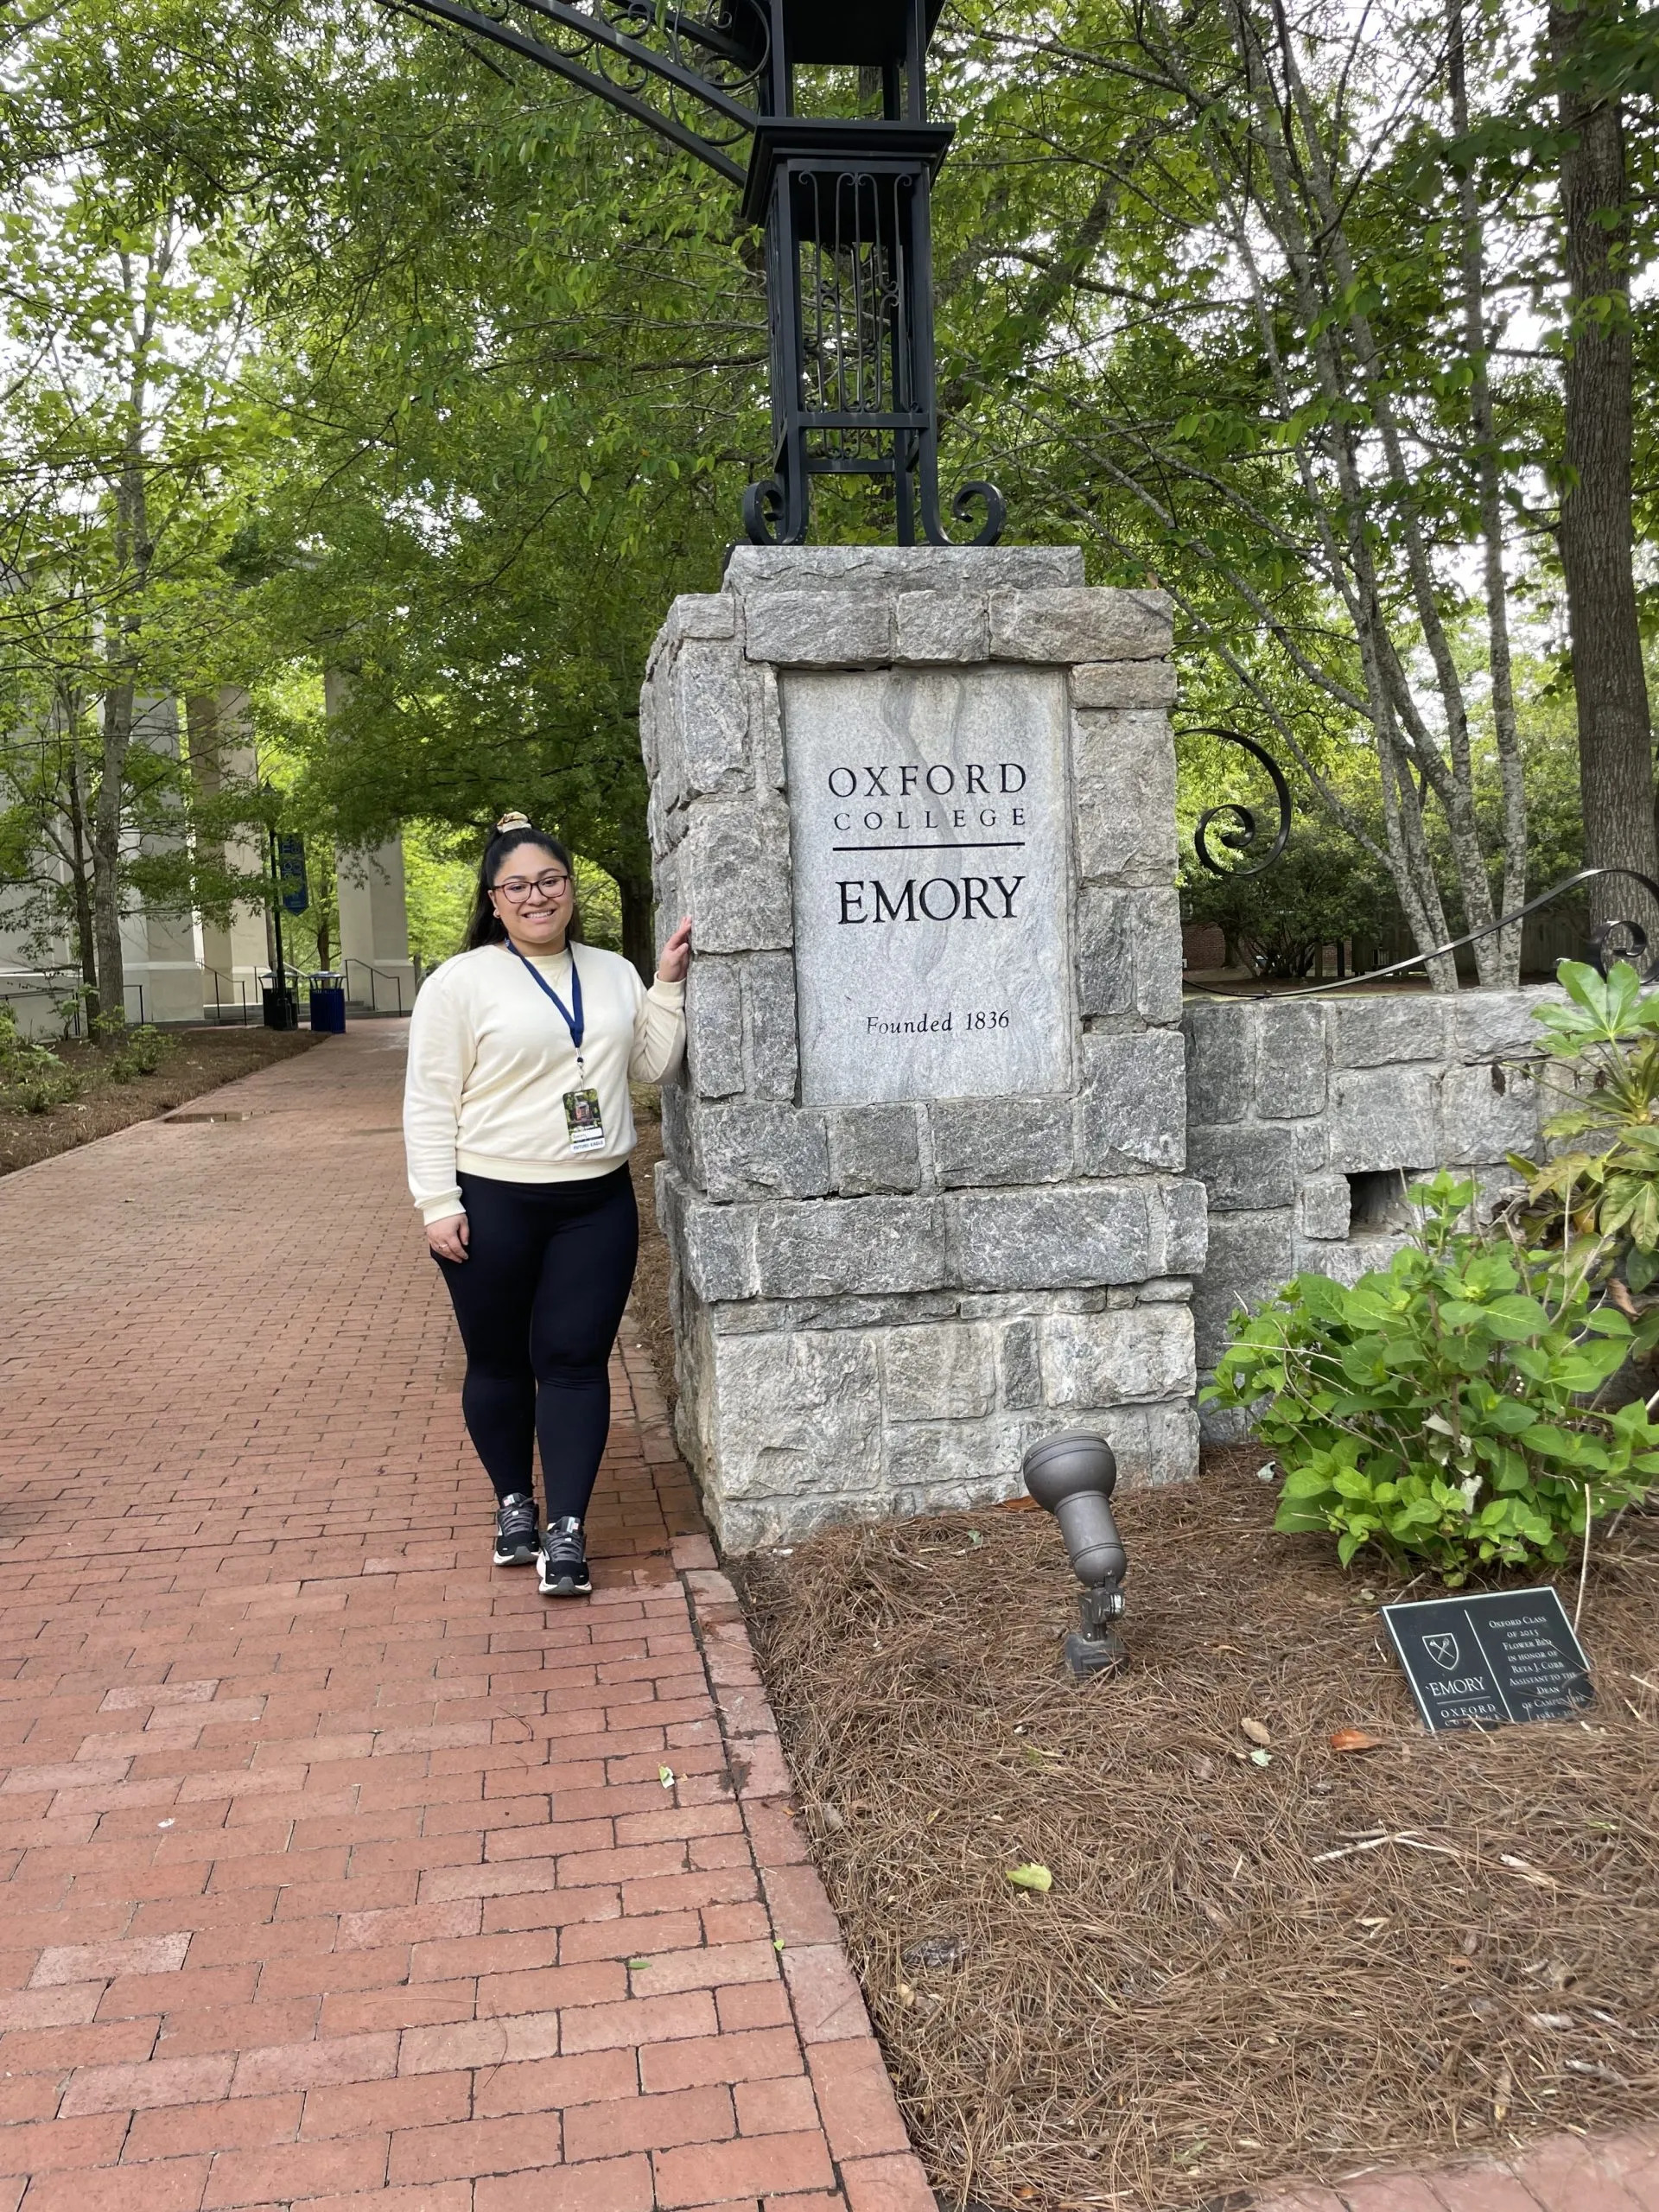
328, 1003
282, 1007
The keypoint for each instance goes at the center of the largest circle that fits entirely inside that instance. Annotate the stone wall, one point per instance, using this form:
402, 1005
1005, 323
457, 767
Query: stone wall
1308, 1118
898, 1261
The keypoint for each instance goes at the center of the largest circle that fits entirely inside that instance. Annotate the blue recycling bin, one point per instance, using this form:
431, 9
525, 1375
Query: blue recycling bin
329, 1004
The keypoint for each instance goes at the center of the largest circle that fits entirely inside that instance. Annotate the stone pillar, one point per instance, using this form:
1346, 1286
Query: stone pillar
162, 952
373, 908
221, 753
923, 1185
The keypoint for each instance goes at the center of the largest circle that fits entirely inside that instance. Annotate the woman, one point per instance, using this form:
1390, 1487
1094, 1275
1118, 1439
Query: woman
518, 1125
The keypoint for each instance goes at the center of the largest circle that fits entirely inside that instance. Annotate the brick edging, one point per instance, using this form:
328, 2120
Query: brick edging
874, 2164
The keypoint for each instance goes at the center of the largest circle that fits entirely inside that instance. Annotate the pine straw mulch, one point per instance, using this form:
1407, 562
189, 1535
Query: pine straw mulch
1225, 1986
201, 1060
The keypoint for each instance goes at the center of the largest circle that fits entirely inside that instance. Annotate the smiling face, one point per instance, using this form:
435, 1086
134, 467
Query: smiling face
533, 897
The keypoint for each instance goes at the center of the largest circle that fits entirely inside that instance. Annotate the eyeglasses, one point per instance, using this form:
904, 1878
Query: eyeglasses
516, 890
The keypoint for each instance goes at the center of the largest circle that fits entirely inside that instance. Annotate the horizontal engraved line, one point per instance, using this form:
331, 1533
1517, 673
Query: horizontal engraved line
985, 845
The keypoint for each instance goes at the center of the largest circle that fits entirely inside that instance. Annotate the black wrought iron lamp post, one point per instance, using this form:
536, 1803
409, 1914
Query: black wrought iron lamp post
845, 203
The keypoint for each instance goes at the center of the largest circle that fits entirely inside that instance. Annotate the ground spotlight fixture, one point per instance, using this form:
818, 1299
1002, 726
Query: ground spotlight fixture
1072, 1476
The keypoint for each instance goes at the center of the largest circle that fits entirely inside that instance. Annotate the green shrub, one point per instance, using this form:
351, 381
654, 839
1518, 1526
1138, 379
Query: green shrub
141, 1051
1445, 1411
32, 1078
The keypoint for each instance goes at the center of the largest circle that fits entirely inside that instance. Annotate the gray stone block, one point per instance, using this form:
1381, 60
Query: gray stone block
712, 718
979, 1141
1290, 1061
1245, 1168
1124, 766
945, 1371
759, 1151
896, 568
1251, 1255
1370, 1032
874, 1148
1323, 1207
797, 1417
862, 1245
1180, 1229
1103, 930
714, 1246
677, 1105
1124, 683
949, 1466
733, 877
941, 626
1313, 1143
1220, 1060
702, 614
1489, 1111
815, 629
766, 728
1132, 1106
1384, 1118
772, 1059
1104, 1359
1346, 1263
1157, 927
1171, 1443
714, 1027
1088, 1234
1021, 1371
1089, 625
1486, 1024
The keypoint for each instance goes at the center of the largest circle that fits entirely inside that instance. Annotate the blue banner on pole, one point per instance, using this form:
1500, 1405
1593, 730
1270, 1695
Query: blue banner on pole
291, 868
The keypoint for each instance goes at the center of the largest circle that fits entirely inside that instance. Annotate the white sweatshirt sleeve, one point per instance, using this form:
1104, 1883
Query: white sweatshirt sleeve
658, 1032
441, 1054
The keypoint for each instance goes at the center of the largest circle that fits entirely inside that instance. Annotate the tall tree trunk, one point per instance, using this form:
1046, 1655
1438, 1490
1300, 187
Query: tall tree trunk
79, 877
106, 847
1616, 781
639, 940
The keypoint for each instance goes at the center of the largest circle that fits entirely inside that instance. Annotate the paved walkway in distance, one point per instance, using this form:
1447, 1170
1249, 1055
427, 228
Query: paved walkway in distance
336, 1867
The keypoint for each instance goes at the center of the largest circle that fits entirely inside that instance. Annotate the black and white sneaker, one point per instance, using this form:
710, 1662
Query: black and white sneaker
516, 1531
564, 1562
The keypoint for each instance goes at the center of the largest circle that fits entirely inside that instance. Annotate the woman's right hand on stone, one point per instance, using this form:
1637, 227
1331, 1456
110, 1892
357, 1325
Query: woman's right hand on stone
447, 1238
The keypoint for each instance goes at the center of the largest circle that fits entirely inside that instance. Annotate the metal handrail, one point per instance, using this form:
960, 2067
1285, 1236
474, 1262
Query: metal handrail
397, 982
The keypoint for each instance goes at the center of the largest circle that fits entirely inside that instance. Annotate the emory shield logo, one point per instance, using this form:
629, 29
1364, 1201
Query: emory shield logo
1442, 1650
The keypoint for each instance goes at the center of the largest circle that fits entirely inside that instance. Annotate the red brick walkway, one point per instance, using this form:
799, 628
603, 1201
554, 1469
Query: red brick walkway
336, 1868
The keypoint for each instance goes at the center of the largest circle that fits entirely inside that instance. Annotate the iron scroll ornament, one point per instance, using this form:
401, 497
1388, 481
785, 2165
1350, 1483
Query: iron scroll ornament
1244, 828
845, 205
1622, 938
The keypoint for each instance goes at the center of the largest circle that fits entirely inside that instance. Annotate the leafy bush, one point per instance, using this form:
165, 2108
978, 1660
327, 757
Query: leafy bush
1597, 1206
32, 1078
141, 1051
1444, 1409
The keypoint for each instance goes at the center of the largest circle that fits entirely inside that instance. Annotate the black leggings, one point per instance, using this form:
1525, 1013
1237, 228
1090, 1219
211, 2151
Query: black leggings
538, 1299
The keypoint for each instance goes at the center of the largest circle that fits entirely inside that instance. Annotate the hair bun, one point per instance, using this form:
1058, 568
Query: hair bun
512, 822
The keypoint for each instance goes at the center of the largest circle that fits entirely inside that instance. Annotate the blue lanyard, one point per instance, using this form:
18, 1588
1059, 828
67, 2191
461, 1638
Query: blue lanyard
573, 1021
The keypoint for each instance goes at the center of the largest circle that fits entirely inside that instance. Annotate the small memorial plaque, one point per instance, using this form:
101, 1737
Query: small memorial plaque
1476, 1662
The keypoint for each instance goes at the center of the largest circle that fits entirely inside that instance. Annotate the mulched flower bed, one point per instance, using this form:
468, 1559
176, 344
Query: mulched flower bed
1243, 1972
202, 1059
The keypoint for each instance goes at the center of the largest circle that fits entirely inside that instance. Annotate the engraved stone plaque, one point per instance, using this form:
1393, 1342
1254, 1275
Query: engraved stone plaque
929, 826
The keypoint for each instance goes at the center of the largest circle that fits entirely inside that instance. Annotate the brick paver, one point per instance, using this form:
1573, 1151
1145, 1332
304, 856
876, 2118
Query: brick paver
337, 1868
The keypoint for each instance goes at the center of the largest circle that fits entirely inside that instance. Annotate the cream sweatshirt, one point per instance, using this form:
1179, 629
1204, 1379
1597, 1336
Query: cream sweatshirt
490, 1059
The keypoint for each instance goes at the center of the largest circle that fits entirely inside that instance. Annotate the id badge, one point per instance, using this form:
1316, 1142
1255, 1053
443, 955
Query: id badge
582, 1125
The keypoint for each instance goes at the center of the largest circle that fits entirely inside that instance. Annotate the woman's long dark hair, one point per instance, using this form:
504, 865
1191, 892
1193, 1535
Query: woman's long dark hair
484, 925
